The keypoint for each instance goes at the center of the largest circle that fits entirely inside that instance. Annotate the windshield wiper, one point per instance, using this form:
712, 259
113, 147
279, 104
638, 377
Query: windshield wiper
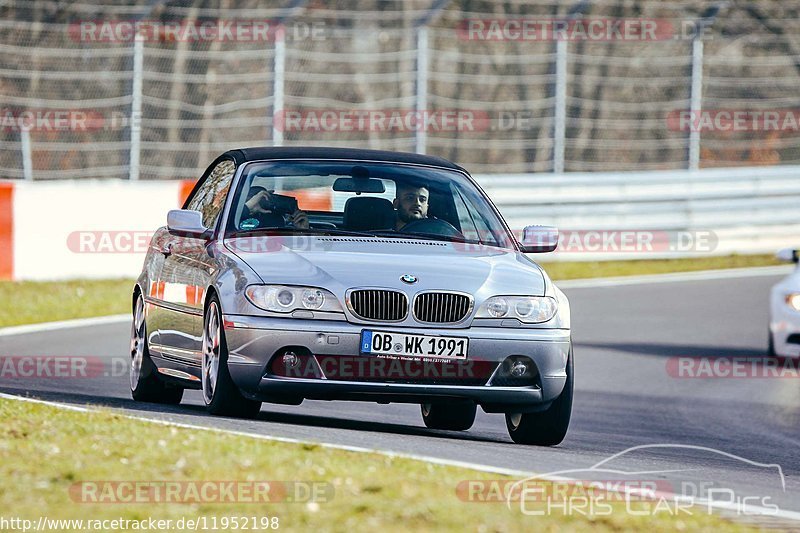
424, 236
298, 231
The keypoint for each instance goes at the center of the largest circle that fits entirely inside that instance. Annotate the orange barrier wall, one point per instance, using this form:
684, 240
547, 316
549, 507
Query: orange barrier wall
6, 230
185, 189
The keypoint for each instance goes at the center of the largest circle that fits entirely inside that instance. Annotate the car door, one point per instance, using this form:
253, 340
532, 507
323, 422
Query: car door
153, 263
184, 271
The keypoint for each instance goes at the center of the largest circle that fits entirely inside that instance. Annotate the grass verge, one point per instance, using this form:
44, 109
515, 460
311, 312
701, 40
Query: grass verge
605, 269
49, 456
29, 302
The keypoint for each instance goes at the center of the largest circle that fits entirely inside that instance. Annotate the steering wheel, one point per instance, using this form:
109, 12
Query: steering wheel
432, 226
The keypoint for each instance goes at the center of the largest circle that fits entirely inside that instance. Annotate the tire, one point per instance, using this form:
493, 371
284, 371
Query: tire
455, 416
220, 394
549, 427
144, 381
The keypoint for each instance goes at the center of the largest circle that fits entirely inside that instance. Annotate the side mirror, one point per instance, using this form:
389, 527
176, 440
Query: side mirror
789, 255
187, 223
539, 239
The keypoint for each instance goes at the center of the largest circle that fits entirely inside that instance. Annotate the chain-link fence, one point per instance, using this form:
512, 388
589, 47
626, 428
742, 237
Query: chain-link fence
534, 86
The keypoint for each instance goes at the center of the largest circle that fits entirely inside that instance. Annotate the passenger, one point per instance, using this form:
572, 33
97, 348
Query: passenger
258, 208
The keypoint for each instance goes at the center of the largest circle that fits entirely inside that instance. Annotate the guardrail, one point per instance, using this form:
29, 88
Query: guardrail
750, 209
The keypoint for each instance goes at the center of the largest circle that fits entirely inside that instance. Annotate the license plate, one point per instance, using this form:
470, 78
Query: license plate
402, 344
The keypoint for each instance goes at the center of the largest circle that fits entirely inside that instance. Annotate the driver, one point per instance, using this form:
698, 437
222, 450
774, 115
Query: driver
410, 203
265, 217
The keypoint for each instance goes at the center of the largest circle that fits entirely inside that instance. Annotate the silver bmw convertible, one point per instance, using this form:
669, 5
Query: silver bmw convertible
342, 274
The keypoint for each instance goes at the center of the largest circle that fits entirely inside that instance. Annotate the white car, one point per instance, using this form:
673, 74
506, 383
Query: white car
784, 323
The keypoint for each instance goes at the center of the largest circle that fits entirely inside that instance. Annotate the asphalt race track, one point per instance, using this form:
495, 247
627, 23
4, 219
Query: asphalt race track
624, 338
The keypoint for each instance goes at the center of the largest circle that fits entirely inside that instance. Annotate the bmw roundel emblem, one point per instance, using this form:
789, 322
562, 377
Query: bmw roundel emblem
408, 278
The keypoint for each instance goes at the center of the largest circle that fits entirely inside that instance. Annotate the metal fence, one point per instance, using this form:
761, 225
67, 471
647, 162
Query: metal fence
80, 98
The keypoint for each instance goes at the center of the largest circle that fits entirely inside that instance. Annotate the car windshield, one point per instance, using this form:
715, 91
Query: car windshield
367, 199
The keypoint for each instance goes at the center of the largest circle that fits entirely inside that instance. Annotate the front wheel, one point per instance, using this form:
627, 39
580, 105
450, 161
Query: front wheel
145, 385
455, 416
549, 427
220, 393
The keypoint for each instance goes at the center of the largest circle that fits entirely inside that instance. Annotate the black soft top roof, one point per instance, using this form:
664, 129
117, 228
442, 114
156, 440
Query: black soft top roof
320, 152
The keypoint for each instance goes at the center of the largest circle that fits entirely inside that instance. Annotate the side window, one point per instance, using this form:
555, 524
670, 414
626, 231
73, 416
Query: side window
210, 197
473, 225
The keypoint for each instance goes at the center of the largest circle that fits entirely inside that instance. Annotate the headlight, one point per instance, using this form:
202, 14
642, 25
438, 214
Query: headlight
528, 309
285, 298
793, 300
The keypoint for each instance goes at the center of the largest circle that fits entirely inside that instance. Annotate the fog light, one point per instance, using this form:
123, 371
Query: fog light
290, 360
518, 369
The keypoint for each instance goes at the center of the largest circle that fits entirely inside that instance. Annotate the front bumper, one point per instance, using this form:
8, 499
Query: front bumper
254, 342
785, 326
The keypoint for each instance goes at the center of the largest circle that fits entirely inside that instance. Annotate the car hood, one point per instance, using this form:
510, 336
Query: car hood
341, 263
